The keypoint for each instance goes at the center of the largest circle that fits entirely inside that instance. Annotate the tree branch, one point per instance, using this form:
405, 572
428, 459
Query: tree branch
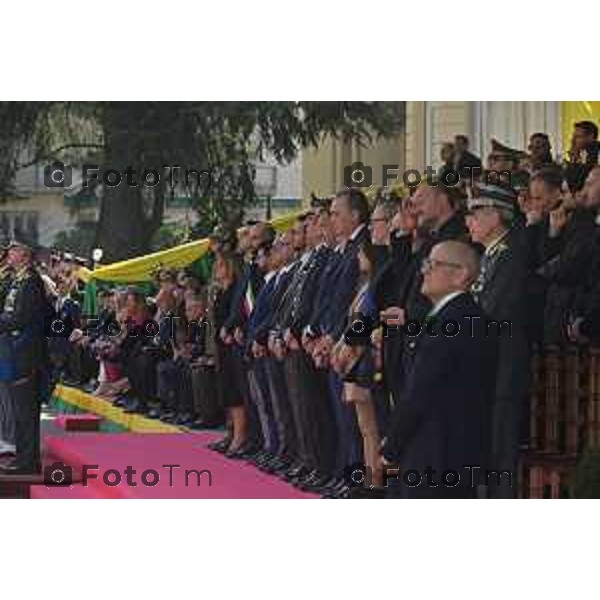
48, 155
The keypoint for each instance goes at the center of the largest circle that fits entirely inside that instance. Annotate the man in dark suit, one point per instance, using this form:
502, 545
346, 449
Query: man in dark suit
349, 218
439, 219
23, 318
440, 425
585, 319
501, 291
466, 164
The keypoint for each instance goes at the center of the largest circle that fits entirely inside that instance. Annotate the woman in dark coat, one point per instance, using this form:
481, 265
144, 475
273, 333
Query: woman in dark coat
221, 297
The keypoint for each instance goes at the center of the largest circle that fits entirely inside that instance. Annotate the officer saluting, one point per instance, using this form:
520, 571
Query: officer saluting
22, 321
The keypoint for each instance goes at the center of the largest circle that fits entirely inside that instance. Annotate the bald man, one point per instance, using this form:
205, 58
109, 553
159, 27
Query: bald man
440, 428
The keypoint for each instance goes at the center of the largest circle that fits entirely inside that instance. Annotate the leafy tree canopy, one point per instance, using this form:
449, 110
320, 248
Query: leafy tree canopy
226, 138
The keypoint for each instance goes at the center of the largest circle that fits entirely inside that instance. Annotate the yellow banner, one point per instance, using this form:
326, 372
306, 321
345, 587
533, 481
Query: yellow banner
572, 112
141, 268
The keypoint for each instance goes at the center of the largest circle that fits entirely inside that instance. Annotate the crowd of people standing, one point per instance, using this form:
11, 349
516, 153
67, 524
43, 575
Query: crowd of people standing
371, 343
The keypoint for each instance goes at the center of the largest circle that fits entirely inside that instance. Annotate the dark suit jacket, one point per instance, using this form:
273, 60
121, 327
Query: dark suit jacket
564, 266
323, 291
587, 304
264, 316
466, 163
303, 298
416, 304
344, 287
391, 265
443, 417
252, 279
258, 324
409, 293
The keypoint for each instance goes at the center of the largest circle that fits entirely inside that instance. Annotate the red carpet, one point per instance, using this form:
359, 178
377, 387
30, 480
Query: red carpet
142, 451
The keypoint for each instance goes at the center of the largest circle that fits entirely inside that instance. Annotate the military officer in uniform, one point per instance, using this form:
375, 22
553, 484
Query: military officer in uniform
501, 291
7, 417
23, 316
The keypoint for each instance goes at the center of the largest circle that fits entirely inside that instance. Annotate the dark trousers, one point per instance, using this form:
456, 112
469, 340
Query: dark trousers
204, 391
185, 391
383, 409
26, 401
348, 434
140, 368
82, 364
166, 384
315, 425
241, 368
294, 372
322, 436
286, 431
506, 426
259, 390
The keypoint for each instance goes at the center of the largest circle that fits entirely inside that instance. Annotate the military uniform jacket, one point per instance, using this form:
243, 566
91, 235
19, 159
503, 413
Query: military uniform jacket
23, 317
501, 291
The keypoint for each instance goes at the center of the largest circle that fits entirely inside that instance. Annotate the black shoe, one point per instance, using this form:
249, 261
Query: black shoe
206, 424
263, 458
305, 475
154, 413
220, 445
134, 406
362, 493
308, 482
182, 418
324, 484
243, 452
222, 448
120, 402
188, 422
280, 465
296, 471
167, 416
333, 486
340, 492
269, 465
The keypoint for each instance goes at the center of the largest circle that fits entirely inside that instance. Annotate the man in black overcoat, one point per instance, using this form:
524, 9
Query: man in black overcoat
440, 427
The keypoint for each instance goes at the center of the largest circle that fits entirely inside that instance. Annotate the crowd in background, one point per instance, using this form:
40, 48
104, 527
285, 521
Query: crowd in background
270, 348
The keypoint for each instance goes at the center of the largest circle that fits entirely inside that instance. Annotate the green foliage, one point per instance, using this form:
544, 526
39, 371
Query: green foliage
223, 137
80, 241
168, 236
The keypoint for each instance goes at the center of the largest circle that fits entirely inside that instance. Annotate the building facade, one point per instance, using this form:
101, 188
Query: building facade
41, 212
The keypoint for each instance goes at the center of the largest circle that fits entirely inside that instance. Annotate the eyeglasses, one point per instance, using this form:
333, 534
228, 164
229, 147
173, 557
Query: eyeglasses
433, 263
382, 219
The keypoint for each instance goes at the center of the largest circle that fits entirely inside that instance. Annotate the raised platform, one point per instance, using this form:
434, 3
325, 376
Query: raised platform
211, 475
79, 422
73, 399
